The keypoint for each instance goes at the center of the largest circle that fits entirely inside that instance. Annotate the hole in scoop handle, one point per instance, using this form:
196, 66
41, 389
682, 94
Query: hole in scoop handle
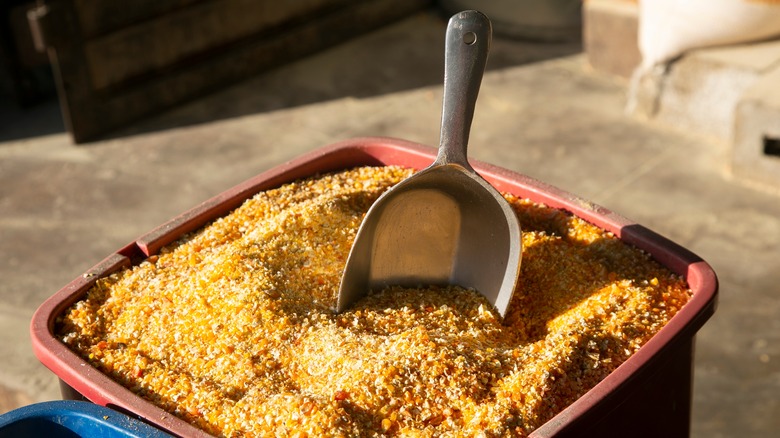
466, 50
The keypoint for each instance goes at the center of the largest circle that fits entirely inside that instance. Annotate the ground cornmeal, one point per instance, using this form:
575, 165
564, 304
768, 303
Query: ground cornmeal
231, 327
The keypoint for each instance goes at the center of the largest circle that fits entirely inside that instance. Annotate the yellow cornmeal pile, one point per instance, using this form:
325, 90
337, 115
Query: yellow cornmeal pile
231, 327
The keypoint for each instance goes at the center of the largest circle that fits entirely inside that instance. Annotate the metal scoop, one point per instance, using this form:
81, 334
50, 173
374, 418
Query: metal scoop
445, 224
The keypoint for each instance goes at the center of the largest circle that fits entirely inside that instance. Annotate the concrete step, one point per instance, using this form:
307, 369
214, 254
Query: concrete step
609, 35
729, 94
700, 91
755, 154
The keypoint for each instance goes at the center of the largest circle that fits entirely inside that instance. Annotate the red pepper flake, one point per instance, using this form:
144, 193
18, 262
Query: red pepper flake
102, 345
340, 395
435, 420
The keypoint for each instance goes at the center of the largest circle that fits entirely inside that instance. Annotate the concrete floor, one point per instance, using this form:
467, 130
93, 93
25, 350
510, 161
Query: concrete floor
541, 112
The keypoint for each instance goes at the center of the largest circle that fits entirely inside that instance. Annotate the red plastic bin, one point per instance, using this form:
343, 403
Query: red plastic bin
648, 395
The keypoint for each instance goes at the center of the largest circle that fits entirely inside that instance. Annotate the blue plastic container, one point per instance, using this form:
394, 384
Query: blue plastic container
72, 419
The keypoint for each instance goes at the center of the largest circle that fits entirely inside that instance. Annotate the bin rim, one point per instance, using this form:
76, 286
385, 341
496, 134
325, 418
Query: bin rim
80, 417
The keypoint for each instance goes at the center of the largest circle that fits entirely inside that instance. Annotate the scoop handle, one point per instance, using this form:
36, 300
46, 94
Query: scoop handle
466, 50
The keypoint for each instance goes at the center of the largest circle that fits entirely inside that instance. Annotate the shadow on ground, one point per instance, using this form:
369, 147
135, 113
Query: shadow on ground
412, 56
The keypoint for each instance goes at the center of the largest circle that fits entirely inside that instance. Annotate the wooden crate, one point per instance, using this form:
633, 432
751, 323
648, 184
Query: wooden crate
116, 62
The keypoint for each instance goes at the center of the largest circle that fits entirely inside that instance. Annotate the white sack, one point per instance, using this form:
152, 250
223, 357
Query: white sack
668, 28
